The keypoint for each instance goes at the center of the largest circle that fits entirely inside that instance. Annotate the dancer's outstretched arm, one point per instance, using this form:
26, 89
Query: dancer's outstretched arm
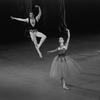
20, 19
52, 51
39, 14
67, 41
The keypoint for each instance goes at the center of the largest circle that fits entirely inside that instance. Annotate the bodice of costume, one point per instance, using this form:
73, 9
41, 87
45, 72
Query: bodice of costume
62, 52
33, 22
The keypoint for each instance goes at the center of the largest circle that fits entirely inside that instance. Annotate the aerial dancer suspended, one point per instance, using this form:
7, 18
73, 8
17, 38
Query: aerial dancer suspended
34, 33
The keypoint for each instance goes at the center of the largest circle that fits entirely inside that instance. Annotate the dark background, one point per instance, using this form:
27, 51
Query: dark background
24, 76
82, 16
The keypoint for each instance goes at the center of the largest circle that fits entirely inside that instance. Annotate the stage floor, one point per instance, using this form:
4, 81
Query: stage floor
24, 76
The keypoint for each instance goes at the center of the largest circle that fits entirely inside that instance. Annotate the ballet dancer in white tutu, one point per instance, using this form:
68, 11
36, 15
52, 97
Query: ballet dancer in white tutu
34, 32
63, 67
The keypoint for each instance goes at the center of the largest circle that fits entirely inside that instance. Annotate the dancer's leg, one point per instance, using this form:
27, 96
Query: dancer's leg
64, 84
39, 52
33, 38
42, 36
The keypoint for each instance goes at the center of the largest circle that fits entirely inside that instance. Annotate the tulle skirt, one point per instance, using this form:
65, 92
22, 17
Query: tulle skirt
64, 67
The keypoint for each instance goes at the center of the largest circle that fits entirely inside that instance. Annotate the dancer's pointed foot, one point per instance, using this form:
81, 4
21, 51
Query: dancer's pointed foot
40, 55
37, 48
65, 87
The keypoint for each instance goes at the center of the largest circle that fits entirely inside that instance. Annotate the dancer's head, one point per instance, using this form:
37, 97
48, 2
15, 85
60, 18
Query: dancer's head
61, 41
31, 15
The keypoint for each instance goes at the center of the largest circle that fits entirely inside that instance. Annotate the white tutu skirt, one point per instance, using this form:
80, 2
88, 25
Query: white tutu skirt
64, 67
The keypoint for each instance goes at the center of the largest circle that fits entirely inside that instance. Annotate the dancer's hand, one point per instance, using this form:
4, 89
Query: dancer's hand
12, 17
37, 6
48, 52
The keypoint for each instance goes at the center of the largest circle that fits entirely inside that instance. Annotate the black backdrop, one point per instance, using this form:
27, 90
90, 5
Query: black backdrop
82, 16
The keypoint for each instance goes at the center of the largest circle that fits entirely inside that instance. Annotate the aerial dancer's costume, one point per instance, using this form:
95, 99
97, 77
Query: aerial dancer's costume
34, 33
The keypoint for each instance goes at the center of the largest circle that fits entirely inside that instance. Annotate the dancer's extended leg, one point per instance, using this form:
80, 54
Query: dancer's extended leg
42, 36
39, 52
64, 85
33, 38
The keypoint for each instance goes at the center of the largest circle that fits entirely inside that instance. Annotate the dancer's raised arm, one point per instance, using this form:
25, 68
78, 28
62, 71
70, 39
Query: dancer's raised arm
39, 14
67, 41
20, 19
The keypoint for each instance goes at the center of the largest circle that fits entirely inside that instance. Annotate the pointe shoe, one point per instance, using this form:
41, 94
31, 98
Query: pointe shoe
37, 48
65, 87
40, 55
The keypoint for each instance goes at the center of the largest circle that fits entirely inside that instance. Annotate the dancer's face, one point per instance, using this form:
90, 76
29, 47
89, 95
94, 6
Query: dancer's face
61, 40
31, 15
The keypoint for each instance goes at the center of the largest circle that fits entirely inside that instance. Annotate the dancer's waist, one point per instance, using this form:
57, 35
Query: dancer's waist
33, 30
61, 55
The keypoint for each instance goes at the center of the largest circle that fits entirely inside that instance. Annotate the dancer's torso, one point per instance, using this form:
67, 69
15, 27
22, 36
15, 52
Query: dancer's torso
32, 23
62, 52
